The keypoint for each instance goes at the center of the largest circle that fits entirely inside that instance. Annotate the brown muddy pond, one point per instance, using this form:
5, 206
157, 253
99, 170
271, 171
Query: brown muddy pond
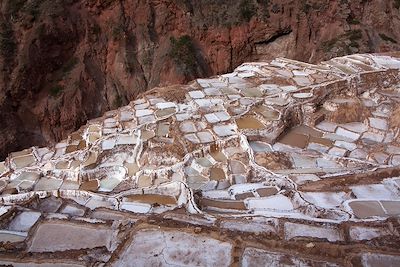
223, 204
301, 135
71, 148
90, 185
217, 174
147, 134
243, 196
294, 139
62, 165
218, 156
133, 168
75, 137
82, 145
93, 137
249, 122
152, 199
144, 181
267, 192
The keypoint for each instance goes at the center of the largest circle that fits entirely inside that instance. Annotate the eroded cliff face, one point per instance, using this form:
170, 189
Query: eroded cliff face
64, 62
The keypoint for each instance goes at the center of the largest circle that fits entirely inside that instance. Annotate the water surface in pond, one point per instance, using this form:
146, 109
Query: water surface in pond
152, 199
249, 122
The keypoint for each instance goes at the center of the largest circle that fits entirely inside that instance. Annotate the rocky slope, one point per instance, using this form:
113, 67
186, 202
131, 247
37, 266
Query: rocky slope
63, 62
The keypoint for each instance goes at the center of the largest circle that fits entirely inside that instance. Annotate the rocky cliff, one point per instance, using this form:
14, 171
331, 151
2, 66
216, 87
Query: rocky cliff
66, 61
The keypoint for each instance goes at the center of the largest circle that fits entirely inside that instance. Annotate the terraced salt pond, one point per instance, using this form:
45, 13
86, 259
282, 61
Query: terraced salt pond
24, 161
217, 174
222, 204
152, 199
177, 248
57, 236
258, 146
12, 236
165, 112
302, 135
365, 209
218, 156
268, 113
249, 122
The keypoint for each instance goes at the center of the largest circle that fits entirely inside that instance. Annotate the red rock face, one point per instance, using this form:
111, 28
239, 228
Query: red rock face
64, 62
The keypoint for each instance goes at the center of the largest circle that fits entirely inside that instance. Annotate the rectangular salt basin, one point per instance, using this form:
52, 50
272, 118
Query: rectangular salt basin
127, 115
378, 123
211, 118
147, 119
136, 207
357, 127
21, 153
326, 200
373, 137
360, 233
24, 221
48, 184
277, 202
348, 134
294, 230
257, 257
374, 191
223, 115
165, 105
225, 130
196, 94
108, 144
12, 236
24, 161
364, 209
255, 225
375, 259
143, 112
56, 236
178, 248
126, 140
205, 137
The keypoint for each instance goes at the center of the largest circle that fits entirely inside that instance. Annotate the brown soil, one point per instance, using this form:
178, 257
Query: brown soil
273, 160
395, 118
349, 112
